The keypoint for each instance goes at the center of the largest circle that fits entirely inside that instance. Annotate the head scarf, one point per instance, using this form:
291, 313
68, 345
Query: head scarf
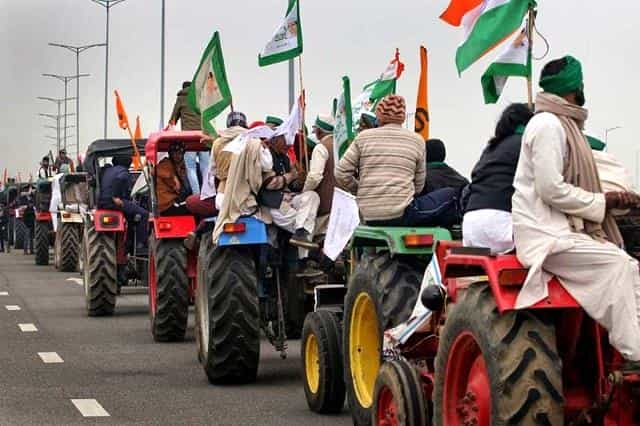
236, 118
276, 121
369, 119
436, 151
391, 109
324, 122
566, 81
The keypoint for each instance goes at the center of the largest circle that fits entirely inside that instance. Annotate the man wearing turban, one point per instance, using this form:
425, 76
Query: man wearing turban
561, 217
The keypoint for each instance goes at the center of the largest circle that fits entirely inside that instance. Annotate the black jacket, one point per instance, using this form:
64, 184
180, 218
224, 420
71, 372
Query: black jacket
115, 183
441, 175
492, 177
29, 217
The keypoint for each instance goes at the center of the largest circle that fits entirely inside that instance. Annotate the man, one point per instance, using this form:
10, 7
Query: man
29, 219
172, 184
190, 120
115, 194
385, 168
561, 219
4, 222
367, 121
63, 159
44, 172
320, 177
440, 174
273, 122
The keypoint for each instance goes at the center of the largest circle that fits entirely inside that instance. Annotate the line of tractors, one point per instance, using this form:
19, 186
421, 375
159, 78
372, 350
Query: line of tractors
469, 358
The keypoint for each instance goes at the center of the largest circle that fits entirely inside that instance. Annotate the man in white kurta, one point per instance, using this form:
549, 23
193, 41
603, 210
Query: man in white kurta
603, 278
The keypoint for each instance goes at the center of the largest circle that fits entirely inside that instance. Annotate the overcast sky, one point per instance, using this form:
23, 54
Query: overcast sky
353, 37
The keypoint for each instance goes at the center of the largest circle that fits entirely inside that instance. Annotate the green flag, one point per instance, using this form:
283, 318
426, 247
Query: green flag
343, 129
286, 42
209, 93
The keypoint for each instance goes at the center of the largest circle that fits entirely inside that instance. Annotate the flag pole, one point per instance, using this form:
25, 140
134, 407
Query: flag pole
530, 28
304, 107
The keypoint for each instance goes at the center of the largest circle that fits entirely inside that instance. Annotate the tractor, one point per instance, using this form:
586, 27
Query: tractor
247, 283
342, 340
172, 268
74, 197
110, 255
43, 231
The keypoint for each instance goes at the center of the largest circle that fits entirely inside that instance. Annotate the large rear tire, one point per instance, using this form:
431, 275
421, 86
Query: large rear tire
381, 294
322, 362
399, 398
41, 242
233, 347
205, 253
169, 294
100, 272
497, 369
20, 234
69, 246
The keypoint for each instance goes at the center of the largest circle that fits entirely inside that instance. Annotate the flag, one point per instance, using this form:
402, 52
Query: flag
286, 42
422, 104
292, 123
138, 133
373, 92
123, 120
514, 61
209, 93
343, 130
486, 24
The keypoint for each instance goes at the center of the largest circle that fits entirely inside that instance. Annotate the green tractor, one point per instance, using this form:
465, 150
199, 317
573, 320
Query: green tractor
343, 338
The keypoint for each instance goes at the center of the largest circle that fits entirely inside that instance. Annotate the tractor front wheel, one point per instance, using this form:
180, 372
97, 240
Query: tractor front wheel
399, 399
496, 369
20, 234
41, 243
68, 236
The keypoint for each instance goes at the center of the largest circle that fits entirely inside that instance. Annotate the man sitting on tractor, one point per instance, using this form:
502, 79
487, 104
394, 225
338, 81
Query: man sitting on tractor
385, 168
115, 194
561, 217
171, 182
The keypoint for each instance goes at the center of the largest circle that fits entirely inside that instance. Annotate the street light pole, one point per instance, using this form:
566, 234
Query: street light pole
107, 4
57, 118
77, 50
609, 130
162, 66
65, 79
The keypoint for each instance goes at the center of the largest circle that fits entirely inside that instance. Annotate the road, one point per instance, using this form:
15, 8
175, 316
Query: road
66, 368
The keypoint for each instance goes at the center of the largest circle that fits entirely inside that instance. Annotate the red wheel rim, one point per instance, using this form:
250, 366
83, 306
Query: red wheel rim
152, 285
467, 395
387, 412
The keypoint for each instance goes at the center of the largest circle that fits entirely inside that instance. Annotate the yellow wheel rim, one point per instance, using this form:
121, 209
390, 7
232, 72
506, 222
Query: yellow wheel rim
312, 363
364, 348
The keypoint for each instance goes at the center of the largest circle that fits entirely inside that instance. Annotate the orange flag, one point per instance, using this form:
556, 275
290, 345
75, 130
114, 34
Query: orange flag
123, 120
138, 133
422, 105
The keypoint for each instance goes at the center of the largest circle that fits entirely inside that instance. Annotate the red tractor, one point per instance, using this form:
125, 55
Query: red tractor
172, 268
110, 255
478, 361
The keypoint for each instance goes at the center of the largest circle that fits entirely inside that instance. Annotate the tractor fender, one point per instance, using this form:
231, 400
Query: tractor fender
43, 216
249, 231
166, 227
109, 221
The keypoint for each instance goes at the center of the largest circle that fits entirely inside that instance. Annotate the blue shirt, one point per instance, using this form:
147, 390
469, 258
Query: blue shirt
115, 183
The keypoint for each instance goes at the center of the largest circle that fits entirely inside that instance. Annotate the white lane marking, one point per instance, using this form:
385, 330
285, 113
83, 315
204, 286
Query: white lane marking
50, 357
28, 327
76, 280
12, 307
90, 408
4, 293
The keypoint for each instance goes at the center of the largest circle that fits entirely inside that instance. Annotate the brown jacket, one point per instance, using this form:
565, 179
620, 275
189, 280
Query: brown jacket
222, 159
166, 186
328, 182
191, 120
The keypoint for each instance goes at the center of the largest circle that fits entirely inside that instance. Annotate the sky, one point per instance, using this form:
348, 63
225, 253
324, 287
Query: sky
356, 38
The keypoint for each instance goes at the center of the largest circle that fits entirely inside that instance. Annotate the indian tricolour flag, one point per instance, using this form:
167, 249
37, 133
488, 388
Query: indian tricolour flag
286, 42
209, 93
514, 61
486, 24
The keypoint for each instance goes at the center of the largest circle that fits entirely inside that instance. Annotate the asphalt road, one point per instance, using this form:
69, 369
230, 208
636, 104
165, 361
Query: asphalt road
111, 366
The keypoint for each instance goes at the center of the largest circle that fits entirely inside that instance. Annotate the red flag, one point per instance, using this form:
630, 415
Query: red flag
138, 133
422, 105
123, 120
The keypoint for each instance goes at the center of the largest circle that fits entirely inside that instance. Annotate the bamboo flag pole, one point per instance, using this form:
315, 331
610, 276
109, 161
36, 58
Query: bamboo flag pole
304, 107
530, 28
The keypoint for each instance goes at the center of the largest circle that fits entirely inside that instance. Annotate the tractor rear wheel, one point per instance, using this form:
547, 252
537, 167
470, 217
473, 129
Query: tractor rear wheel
41, 242
20, 234
69, 246
380, 295
496, 369
205, 253
100, 272
168, 289
399, 398
232, 352
322, 362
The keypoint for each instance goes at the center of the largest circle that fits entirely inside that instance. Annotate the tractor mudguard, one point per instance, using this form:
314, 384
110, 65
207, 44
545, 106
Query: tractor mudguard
109, 221
68, 217
43, 216
173, 226
400, 240
505, 275
246, 231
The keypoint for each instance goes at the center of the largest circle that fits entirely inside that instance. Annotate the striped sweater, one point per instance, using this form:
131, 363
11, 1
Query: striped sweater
384, 168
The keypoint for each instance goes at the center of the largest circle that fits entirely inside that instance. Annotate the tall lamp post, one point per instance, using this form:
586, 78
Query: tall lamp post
609, 130
57, 118
65, 79
107, 4
77, 50
58, 103
162, 66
